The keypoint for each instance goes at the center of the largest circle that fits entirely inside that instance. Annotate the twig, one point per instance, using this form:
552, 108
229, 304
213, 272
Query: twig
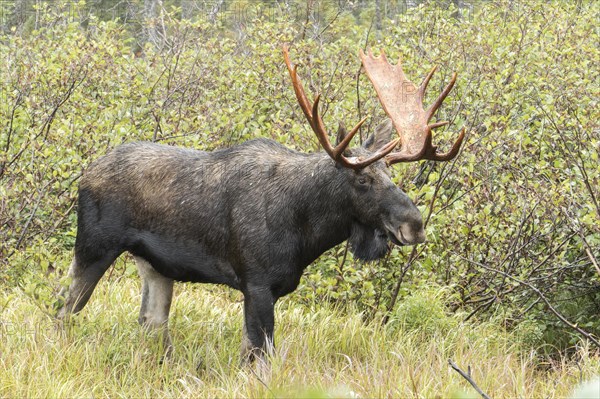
18, 103
31, 216
358, 103
581, 165
486, 305
341, 267
49, 119
543, 298
588, 251
309, 8
264, 364
411, 259
467, 376
330, 22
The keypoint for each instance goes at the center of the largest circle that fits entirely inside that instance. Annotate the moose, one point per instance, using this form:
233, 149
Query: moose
255, 215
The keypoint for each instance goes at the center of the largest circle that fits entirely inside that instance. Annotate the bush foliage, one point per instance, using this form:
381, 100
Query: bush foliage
513, 222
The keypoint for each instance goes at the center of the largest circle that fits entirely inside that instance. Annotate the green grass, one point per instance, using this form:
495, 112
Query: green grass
321, 352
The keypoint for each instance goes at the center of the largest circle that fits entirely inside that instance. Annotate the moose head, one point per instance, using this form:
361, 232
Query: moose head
399, 221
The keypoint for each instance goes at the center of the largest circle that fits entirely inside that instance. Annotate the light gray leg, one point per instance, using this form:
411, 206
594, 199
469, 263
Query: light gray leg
246, 346
67, 292
157, 293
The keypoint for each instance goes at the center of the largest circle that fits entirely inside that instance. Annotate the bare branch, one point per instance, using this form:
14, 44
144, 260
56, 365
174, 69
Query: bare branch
467, 376
543, 298
588, 251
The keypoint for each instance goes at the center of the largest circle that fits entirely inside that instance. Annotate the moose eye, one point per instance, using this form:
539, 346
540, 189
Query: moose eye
362, 180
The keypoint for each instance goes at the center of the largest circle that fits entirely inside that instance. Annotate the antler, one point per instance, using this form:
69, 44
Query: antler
403, 102
315, 121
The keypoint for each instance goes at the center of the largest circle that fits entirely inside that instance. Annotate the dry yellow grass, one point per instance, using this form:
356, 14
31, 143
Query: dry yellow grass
320, 353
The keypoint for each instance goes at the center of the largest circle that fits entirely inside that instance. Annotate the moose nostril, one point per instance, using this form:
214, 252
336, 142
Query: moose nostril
412, 234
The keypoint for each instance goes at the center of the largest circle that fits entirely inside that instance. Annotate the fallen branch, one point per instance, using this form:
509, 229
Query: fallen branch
467, 376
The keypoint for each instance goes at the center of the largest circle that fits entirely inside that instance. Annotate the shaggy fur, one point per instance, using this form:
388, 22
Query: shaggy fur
252, 217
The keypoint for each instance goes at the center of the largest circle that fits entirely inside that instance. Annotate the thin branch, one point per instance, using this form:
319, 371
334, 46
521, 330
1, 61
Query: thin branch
358, 103
50, 118
341, 266
588, 251
18, 103
523, 313
309, 8
543, 298
411, 259
42, 193
486, 305
467, 376
581, 165
330, 22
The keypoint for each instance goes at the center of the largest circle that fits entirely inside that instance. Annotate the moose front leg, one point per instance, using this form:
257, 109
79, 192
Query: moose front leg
259, 322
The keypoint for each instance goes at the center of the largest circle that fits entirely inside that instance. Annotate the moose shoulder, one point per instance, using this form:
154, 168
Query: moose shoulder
252, 217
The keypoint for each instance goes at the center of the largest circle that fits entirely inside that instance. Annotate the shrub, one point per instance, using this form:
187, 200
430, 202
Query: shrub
515, 215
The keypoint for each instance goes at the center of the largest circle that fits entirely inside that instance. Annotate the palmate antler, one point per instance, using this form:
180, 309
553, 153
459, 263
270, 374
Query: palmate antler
315, 121
403, 102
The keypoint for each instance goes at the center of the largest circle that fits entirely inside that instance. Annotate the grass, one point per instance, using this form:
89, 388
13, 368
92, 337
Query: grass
321, 352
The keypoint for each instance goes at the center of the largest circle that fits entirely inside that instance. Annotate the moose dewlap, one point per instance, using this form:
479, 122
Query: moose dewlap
255, 215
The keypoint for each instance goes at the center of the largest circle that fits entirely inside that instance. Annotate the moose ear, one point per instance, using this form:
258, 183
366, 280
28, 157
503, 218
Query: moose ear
381, 136
341, 133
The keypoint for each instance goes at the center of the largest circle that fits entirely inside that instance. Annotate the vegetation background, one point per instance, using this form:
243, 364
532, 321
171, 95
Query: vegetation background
508, 282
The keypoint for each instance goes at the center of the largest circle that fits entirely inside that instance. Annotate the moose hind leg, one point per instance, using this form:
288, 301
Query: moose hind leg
157, 294
84, 278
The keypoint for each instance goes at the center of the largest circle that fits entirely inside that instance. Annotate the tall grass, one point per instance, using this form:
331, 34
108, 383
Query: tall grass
102, 352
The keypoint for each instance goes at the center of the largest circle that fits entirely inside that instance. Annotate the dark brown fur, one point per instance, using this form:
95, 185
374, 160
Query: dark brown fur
252, 217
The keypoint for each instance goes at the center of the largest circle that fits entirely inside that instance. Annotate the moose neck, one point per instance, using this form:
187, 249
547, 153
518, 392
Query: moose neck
322, 205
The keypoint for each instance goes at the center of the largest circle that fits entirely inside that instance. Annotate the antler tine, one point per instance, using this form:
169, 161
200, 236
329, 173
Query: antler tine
346, 140
453, 151
316, 123
403, 102
320, 131
298, 88
405, 156
337, 153
425, 82
381, 153
423, 89
438, 124
431, 110
429, 151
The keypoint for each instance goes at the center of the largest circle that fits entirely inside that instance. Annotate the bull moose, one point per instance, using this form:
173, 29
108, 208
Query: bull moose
255, 215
